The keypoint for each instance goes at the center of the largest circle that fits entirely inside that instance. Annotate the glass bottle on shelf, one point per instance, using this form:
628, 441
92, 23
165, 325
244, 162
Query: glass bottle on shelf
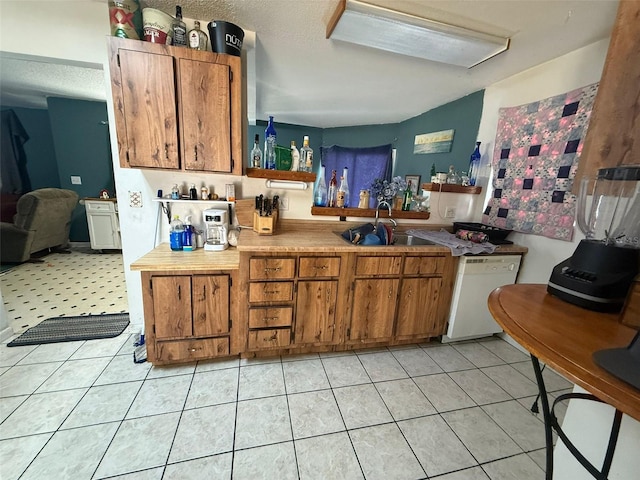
306, 156
179, 29
255, 160
333, 190
320, 196
340, 194
474, 165
193, 193
452, 177
345, 186
295, 157
270, 145
197, 38
175, 192
406, 197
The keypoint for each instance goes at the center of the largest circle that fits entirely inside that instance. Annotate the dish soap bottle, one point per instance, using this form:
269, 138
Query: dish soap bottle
176, 236
270, 145
474, 165
188, 238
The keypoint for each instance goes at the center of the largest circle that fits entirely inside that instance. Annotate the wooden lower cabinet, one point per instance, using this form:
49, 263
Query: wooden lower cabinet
316, 307
187, 317
374, 306
417, 309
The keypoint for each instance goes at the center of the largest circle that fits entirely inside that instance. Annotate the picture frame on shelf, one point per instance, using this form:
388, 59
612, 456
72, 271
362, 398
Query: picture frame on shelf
415, 183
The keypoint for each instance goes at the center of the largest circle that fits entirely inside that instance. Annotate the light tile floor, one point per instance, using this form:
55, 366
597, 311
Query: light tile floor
84, 410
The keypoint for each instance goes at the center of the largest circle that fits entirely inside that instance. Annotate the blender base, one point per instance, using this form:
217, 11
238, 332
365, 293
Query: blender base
596, 277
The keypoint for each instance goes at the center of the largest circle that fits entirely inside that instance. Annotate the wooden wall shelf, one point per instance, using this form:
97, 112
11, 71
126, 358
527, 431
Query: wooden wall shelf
280, 175
449, 188
368, 212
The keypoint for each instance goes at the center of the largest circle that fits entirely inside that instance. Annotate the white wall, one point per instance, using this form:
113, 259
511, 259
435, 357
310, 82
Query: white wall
585, 422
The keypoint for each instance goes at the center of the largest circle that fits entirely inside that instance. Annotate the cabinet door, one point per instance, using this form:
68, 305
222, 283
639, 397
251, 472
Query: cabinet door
149, 107
205, 95
316, 311
103, 231
374, 306
172, 306
418, 306
210, 299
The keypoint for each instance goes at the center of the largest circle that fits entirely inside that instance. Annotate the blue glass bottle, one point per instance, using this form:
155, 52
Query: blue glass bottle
474, 165
270, 146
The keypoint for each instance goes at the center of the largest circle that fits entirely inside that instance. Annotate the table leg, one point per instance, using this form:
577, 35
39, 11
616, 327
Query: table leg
546, 414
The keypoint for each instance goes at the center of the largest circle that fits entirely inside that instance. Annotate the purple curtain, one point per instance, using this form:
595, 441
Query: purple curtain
365, 165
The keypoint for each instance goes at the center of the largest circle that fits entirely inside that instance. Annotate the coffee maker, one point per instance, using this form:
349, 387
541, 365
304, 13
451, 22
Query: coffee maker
216, 225
599, 273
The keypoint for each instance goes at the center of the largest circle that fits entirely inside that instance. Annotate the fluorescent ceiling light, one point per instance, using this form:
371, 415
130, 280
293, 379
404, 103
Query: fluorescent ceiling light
393, 31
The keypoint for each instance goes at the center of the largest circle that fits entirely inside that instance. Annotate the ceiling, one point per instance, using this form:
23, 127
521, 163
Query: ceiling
305, 79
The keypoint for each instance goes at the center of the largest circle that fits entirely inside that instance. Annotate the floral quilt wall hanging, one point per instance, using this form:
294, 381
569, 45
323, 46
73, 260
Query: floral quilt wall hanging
535, 159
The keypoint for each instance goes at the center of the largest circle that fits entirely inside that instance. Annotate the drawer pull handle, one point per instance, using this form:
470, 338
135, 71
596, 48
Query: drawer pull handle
272, 269
324, 267
271, 292
269, 319
195, 349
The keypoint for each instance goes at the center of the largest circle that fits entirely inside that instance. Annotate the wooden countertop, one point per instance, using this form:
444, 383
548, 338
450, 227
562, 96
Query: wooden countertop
292, 240
565, 336
163, 258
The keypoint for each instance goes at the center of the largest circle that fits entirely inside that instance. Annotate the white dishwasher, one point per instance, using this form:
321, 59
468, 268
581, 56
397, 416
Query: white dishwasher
477, 278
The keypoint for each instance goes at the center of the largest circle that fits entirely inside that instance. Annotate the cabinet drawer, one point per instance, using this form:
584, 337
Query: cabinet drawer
423, 265
183, 350
378, 265
317, 267
271, 292
271, 268
100, 206
270, 317
269, 339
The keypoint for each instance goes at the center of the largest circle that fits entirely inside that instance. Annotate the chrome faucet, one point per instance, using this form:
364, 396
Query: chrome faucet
386, 204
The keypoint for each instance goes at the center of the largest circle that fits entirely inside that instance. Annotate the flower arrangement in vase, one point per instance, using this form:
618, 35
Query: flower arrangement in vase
385, 190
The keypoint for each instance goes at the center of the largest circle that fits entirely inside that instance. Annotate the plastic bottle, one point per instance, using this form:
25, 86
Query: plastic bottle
320, 196
295, 157
188, 237
175, 192
270, 145
474, 165
176, 235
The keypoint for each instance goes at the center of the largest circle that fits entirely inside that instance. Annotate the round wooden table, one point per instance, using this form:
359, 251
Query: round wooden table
565, 336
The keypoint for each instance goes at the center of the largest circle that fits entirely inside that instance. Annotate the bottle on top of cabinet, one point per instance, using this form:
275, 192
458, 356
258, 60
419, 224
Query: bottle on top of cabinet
179, 29
306, 156
295, 157
474, 165
197, 38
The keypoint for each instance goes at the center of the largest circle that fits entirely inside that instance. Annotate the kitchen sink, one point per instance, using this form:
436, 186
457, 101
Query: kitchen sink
400, 240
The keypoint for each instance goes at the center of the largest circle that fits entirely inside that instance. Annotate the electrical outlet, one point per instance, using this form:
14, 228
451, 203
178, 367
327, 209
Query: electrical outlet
284, 203
450, 212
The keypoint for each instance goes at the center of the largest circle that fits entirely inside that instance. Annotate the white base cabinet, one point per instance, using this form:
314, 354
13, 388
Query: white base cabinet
104, 227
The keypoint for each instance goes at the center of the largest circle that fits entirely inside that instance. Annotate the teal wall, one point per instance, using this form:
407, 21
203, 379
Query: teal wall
41, 157
82, 148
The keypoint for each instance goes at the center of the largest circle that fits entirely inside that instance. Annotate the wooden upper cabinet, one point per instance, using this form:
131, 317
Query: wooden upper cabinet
176, 108
205, 98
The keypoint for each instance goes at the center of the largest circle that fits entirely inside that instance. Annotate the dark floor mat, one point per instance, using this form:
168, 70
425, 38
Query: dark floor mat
68, 329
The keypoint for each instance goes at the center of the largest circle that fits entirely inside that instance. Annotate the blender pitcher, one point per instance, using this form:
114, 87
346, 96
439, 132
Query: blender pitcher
599, 273
614, 215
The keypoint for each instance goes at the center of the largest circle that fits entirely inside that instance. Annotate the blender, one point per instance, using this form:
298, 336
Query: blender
599, 273
216, 227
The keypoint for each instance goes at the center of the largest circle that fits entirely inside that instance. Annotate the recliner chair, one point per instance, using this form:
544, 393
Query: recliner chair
42, 221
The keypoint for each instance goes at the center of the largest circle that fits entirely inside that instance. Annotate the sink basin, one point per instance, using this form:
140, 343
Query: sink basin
401, 240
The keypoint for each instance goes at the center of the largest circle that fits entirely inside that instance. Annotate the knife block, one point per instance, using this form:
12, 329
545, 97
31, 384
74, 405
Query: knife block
265, 225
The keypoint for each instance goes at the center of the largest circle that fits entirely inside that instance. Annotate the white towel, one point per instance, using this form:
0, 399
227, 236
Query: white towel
458, 246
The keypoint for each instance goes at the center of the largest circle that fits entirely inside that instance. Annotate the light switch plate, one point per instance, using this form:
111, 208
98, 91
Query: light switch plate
76, 180
135, 199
